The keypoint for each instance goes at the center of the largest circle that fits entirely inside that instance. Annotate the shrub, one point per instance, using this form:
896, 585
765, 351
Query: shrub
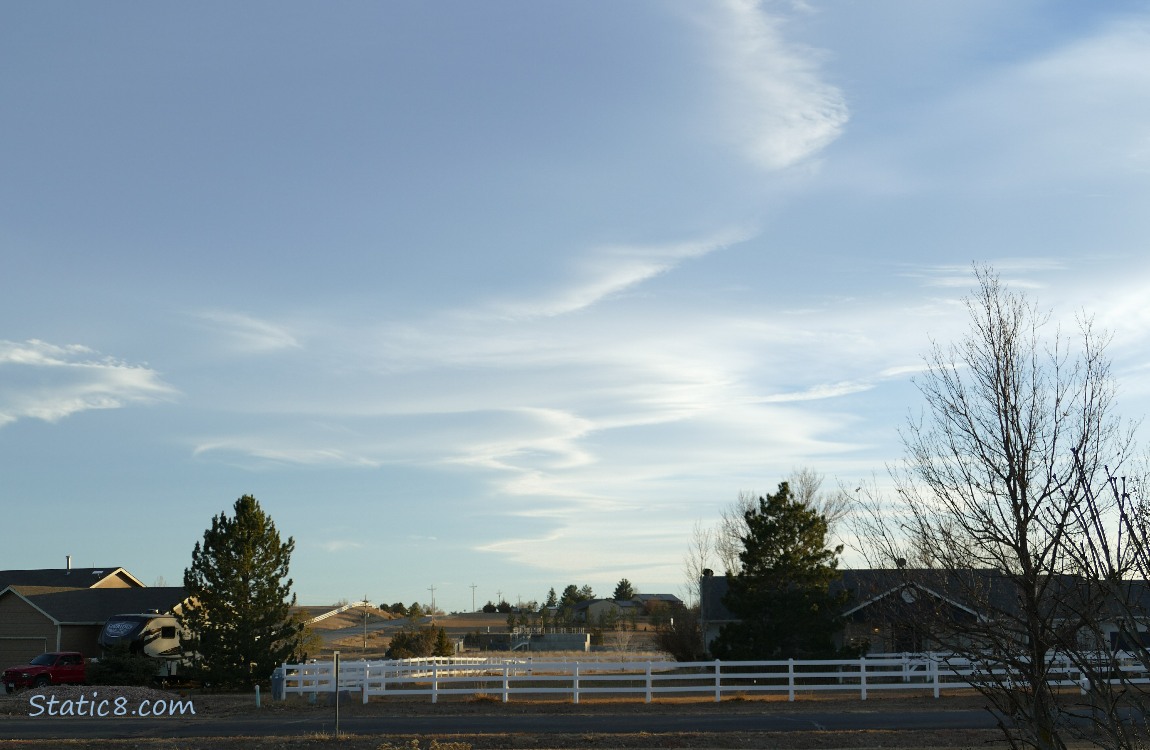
120, 666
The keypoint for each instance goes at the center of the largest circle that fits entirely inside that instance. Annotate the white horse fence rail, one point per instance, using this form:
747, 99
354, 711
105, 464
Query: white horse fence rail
506, 678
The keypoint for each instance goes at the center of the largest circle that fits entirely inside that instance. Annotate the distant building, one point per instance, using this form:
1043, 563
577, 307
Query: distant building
893, 610
64, 609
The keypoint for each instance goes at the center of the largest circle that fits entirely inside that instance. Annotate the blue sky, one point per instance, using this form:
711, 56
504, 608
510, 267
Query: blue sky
512, 294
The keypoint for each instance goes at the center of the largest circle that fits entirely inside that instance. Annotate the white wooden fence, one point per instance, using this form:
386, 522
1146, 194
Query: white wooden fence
533, 677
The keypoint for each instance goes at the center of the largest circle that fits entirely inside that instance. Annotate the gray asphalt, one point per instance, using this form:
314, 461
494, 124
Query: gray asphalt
45, 728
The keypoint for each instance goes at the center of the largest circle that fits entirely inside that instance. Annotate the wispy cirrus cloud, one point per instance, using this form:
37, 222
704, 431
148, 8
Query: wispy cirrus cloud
1017, 272
249, 334
778, 107
339, 545
39, 380
613, 269
274, 449
819, 392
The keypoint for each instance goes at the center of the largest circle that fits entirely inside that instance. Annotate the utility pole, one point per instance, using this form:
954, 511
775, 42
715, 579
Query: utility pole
432, 590
498, 598
473, 597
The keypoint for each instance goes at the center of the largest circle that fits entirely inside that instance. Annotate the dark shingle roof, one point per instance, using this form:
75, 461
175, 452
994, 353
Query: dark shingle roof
72, 578
974, 590
84, 606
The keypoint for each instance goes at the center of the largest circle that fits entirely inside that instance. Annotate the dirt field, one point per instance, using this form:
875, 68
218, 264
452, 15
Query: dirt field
209, 705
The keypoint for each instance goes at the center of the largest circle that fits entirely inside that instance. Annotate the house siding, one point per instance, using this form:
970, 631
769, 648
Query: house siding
82, 638
117, 581
24, 631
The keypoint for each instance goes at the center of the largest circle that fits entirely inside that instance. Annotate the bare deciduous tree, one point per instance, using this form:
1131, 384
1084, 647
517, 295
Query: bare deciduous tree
700, 552
1112, 647
1017, 425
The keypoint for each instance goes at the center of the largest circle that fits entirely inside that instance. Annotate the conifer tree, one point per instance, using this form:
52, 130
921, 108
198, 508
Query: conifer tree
782, 590
624, 591
241, 598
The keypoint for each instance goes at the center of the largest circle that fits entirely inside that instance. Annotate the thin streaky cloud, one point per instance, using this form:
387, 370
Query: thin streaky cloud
250, 334
270, 449
818, 392
1014, 271
613, 269
339, 545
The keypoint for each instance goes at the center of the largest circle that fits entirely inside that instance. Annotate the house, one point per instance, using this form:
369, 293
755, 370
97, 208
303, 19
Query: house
65, 609
71, 578
598, 611
893, 611
887, 610
651, 603
912, 610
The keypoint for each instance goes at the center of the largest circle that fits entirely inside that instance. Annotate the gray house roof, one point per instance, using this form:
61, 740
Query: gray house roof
647, 599
975, 591
979, 592
95, 606
71, 578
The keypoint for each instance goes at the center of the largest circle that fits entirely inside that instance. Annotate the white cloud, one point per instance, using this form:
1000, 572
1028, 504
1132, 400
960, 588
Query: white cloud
339, 545
818, 392
50, 382
265, 449
1020, 273
613, 269
251, 335
778, 108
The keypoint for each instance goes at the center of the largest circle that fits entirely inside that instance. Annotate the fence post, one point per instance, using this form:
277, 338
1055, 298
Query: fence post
905, 667
434, 682
335, 679
862, 678
934, 670
506, 682
575, 683
366, 676
791, 680
718, 683
648, 682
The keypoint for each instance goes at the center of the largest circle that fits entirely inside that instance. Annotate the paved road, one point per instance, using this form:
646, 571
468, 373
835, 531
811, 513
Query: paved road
41, 728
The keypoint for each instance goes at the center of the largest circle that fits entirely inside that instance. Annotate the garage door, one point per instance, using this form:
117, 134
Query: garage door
16, 651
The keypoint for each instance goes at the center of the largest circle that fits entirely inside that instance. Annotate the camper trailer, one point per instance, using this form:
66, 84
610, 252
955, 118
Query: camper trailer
149, 633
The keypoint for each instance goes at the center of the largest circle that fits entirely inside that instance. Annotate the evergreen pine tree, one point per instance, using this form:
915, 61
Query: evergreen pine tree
624, 591
782, 591
443, 647
240, 595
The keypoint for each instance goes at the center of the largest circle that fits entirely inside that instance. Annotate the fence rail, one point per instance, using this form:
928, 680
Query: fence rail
505, 677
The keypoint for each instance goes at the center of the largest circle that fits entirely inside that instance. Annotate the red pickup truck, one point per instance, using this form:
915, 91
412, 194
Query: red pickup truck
53, 668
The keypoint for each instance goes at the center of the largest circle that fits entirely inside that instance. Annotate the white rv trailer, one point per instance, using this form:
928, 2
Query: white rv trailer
151, 634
